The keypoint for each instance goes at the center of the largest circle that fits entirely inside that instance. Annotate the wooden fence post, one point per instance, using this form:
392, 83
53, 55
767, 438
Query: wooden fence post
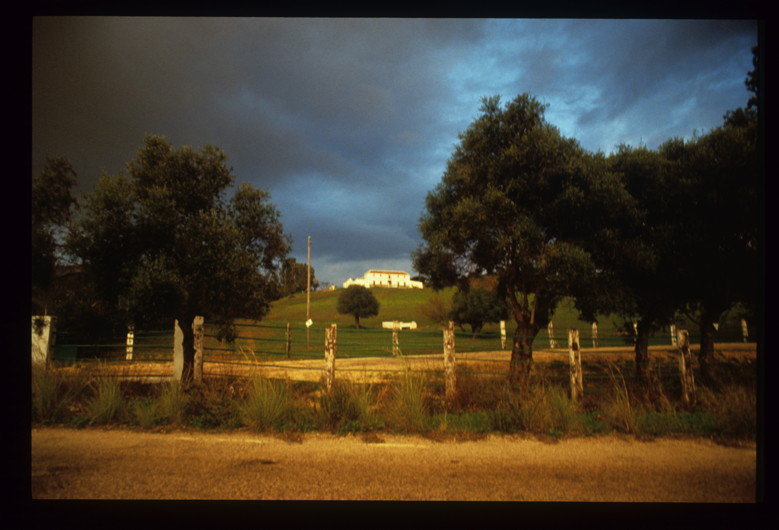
330, 347
288, 336
178, 351
744, 330
673, 334
575, 362
550, 331
395, 344
129, 344
594, 334
685, 368
450, 376
198, 328
43, 339
502, 334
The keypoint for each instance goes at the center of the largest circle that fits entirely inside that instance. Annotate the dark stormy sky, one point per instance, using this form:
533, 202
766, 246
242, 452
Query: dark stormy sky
348, 123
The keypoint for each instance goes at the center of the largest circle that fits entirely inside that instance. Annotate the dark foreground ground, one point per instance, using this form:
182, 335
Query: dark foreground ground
124, 464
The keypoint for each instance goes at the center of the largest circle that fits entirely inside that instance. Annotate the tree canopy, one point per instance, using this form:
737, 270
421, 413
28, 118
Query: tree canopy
164, 241
358, 301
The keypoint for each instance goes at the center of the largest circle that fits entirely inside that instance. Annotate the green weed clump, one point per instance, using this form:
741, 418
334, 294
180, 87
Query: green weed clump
213, 404
618, 411
146, 412
407, 410
348, 407
733, 409
541, 409
54, 394
172, 404
266, 405
107, 405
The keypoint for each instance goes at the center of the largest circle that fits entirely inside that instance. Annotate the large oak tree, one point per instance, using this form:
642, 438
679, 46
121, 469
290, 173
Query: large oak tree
521, 202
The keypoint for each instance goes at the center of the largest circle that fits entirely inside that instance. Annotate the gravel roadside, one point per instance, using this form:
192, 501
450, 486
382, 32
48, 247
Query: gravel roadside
126, 464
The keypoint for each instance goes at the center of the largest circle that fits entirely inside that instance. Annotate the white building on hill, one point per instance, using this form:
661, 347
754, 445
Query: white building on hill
378, 278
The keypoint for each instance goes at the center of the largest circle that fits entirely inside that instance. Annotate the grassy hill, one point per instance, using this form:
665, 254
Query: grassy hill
268, 336
395, 304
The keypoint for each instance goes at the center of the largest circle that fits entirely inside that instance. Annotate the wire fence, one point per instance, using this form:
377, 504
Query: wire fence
283, 345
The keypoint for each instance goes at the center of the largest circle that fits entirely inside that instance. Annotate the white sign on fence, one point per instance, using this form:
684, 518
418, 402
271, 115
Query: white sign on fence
401, 325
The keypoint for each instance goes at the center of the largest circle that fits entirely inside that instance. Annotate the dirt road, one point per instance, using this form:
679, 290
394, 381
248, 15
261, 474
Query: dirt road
124, 464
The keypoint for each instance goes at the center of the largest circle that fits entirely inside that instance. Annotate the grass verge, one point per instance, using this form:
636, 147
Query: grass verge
414, 403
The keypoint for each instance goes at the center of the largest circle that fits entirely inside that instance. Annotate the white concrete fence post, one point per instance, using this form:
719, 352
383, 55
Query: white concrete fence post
550, 331
673, 334
502, 334
450, 375
594, 334
44, 333
288, 336
685, 368
330, 351
575, 362
395, 343
744, 329
129, 343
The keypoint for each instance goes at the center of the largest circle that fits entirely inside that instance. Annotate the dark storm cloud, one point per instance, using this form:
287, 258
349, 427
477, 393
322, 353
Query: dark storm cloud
349, 122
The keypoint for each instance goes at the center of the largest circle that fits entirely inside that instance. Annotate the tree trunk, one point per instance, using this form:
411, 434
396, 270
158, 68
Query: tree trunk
357, 321
642, 350
522, 353
706, 326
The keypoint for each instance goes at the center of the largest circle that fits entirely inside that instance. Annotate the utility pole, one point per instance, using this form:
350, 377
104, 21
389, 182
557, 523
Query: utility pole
308, 298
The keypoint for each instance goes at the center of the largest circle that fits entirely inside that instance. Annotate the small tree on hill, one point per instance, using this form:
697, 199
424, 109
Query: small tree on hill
358, 301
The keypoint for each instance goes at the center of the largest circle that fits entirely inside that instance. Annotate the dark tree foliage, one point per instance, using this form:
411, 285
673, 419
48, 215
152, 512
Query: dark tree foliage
52, 205
719, 203
358, 301
644, 284
294, 278
164, 242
